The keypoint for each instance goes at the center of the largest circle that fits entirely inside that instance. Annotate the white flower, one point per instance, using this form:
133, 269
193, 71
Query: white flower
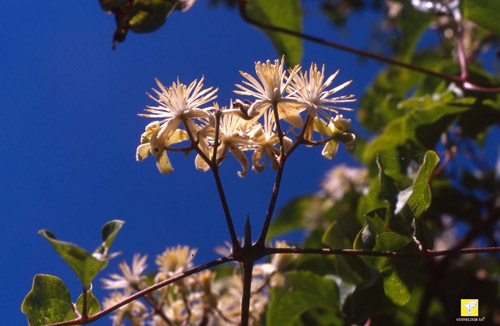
233, 136
180, 103
311, 91
271, 88
151, 144
173, 261
343, 179
134, 311
265, 140
131, 277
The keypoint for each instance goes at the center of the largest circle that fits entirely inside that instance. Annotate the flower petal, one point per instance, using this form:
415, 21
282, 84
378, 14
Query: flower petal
163, 163
330, 149
142, 152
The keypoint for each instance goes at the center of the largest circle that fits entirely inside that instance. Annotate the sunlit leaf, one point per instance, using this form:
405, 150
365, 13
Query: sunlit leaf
418, 195
49, 301
282, 13
109, 232
85, 265
81, 262
93, 305
422, 125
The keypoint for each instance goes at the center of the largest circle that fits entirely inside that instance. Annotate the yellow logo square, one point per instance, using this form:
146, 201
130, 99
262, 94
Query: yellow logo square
469, 307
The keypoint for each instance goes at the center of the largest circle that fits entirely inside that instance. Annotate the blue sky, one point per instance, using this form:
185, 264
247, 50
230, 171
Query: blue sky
69, 130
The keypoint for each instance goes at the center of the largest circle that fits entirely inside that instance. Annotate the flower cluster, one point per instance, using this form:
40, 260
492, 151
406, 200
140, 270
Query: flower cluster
202, 299
287, 108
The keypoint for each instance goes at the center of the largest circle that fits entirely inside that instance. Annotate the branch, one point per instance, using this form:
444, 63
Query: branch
356, 252
215, 170
140, 294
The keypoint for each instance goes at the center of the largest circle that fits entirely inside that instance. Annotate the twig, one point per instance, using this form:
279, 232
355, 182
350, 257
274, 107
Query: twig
357, 252
142, 293
220, 190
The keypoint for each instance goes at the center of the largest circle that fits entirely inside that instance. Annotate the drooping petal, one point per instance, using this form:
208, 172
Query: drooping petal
178, 136
163, 163
200, 164
241, 157
256, 158
330, 149
142, 152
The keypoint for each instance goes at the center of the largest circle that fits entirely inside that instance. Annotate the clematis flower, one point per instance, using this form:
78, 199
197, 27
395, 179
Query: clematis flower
134, 311
152, 144
131, 277
173, 261
311, 91
338, 125
265, 139
233, 136
271, 87
180, 103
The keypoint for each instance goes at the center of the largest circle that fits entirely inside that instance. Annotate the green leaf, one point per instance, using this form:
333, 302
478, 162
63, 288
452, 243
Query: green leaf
388, 190
81, 262
397, 272
418, 195
368, 299
292, 215
421, 125
282, 13
48, 302
111, 5
109, 232
93, 305
147, 16
485, 13
341, 232
374, 225
306, 291
413, 24
85, 265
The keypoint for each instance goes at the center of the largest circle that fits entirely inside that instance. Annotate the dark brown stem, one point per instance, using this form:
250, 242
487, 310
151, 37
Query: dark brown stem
247, 269
84, 313
356, 252
278, 128
220, 190
225, 207
142, 293
157, 308
279, 174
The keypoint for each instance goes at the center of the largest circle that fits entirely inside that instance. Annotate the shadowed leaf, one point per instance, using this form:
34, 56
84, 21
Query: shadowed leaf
306, 291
